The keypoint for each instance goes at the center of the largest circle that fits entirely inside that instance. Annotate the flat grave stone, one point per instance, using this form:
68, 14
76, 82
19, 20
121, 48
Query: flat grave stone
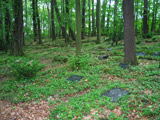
124, 65
140, 54
103, 57
109, 49
115, 94
75, 78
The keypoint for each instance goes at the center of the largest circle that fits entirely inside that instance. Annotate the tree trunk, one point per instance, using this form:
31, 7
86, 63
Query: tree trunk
83, 18
7, 28
38, 22
108, 16
103, 17
154, 15
129, 41
115, 37
153, 18
70, 29
78, 28
34, 20
98, 22
145, 19
49, 22
59, 18
26, 16
136, 15
93, 20
17, 28
89, 33
52, 19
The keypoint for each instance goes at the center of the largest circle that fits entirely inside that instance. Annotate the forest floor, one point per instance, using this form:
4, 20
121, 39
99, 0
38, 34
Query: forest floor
49, 95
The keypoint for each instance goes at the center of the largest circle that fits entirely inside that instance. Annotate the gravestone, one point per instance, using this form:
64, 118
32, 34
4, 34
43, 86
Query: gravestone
140, 54
109, 49
102, 57
124, 65
75, 78
115, 94
156, 54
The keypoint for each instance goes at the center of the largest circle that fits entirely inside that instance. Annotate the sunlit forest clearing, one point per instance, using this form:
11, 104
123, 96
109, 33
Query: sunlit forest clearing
80, 60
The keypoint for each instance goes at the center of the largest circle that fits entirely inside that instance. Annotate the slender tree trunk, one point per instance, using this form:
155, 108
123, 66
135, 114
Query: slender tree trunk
78, 28
7, 28
153, 18
17, 28
89, 33
52, 19
26, 16
103, 17
108, 17
38, 22
83, 18
49, 22
98, 22
34, 20
157, 4
129, 41
115, 37
59, 18
69, 21
145, 19
93, 20
136, 26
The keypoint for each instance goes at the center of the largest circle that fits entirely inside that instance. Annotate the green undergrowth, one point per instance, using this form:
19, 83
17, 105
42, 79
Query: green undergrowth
41, 74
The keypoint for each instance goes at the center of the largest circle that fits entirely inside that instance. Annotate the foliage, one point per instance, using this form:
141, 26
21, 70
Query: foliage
79, 62
60, 58
25, 68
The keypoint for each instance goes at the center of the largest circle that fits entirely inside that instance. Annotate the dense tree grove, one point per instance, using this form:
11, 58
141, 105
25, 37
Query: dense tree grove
57, 18
79, 59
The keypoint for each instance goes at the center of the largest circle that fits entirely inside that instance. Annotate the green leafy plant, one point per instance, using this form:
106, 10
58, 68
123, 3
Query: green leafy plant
24, 68
60, 58
79, 62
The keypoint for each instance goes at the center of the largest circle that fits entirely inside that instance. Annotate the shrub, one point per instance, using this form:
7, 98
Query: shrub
79, 62
24, 68
60, 58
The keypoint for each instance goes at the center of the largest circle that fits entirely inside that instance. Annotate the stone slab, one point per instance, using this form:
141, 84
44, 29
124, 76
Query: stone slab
115, 94
75, 78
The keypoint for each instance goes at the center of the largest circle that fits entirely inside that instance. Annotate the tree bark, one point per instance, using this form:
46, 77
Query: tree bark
98, 22
136, 16
93, 20
145, 19
52, 20
26, 16
17, 28
34, 20
129, 41
7, 28
70, 29
108, 17
38, 22
83, 18
103, 17
78, 28
89, 33
49, 22
115, 37
59, 18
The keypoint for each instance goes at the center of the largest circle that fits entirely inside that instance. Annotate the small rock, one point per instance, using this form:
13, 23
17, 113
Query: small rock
124, 65
109, 49
140, 54
102, 57
156, 54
